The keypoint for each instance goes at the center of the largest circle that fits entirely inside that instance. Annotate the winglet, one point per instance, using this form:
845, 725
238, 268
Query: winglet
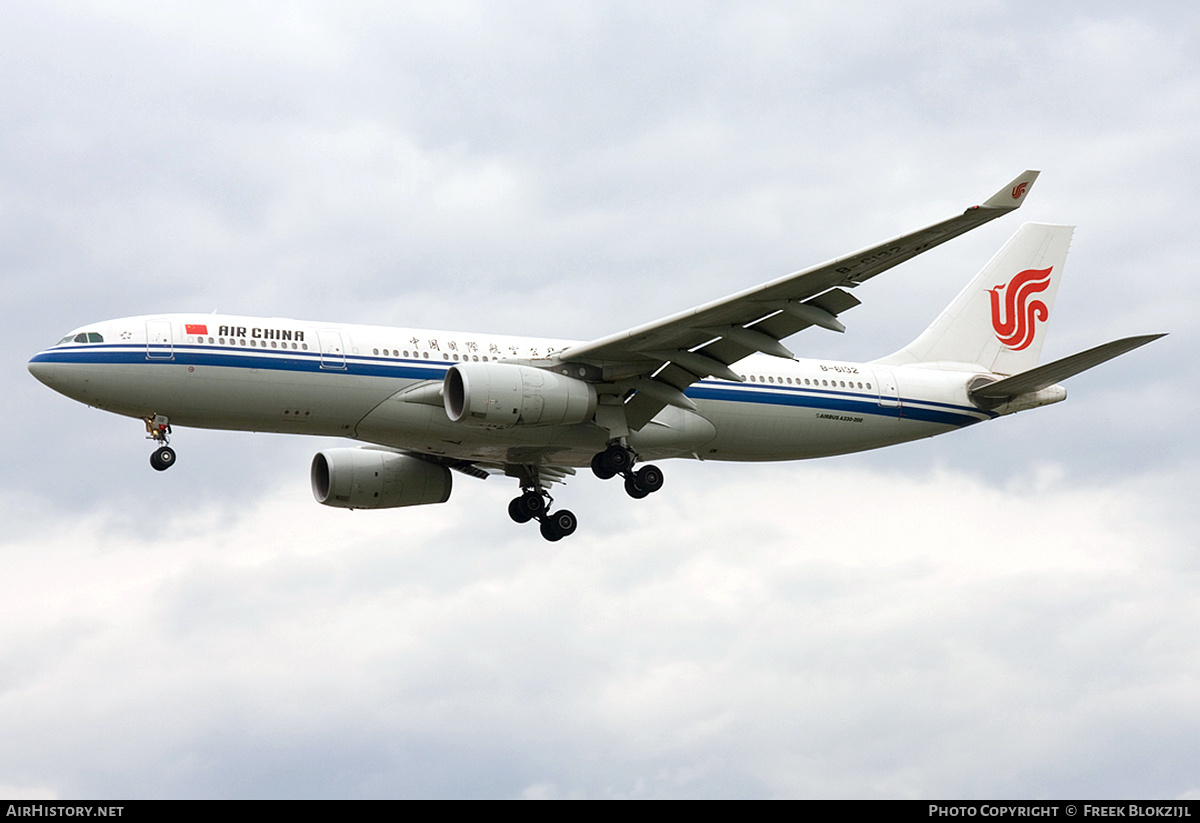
1013, 195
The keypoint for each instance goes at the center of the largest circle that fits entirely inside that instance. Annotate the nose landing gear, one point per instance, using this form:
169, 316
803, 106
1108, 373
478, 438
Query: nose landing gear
158, 429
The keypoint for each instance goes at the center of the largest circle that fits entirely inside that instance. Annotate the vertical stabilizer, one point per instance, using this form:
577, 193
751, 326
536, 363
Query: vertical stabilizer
998, 322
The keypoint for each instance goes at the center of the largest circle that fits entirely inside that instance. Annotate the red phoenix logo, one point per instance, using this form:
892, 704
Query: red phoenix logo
1014, 322
1019, 189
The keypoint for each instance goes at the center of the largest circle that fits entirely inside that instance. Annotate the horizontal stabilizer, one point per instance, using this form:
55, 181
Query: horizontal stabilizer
1045, 376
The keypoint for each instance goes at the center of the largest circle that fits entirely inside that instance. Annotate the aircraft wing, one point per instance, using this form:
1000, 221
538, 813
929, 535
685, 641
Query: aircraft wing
659, 360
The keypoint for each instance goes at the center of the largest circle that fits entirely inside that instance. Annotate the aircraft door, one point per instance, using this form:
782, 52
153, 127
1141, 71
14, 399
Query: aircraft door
158, 340
333, 352
889, 395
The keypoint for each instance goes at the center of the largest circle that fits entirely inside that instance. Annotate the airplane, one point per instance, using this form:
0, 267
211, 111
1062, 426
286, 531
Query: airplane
714, 382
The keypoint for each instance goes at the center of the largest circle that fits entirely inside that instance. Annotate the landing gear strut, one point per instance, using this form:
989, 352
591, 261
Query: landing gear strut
619, 459
534, 504
158, 429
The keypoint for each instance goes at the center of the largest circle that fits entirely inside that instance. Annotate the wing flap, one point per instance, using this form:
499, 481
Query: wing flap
822, 310
534, 472
699, 364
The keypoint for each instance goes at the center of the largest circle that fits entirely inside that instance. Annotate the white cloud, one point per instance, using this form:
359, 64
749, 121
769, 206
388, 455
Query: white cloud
832, 632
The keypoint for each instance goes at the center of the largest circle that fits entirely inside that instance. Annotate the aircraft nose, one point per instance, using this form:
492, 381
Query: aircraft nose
42, 370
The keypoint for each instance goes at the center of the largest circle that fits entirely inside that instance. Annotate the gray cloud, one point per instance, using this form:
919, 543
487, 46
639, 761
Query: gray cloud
1005, 611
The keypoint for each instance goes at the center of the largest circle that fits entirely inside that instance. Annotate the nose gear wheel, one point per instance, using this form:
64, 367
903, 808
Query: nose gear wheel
162, 458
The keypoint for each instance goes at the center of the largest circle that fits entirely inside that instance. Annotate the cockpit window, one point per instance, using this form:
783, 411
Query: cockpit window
82, 337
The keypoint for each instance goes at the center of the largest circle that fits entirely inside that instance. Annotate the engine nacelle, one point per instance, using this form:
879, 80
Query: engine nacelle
376, 479
505, 394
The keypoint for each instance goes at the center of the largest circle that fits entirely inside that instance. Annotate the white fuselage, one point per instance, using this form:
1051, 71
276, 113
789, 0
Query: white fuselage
300, 377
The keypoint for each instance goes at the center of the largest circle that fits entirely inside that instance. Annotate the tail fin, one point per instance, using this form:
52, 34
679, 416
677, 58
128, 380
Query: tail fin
997, 322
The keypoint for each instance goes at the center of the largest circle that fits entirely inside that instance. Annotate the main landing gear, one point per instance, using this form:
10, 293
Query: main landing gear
158, 429
534, 501
619, 459
534, 504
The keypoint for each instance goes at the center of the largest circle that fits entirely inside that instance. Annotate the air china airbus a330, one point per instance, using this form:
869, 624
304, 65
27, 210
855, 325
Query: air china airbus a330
710, 383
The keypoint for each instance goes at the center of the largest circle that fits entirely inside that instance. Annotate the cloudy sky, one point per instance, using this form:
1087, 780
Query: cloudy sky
1009, 611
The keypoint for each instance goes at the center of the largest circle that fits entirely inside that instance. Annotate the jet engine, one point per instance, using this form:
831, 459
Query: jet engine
504, 395
377, 479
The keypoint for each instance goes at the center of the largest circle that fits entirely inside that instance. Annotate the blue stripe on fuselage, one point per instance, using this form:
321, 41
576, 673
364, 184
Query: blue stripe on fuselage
239, 358
846, 402
928, 411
